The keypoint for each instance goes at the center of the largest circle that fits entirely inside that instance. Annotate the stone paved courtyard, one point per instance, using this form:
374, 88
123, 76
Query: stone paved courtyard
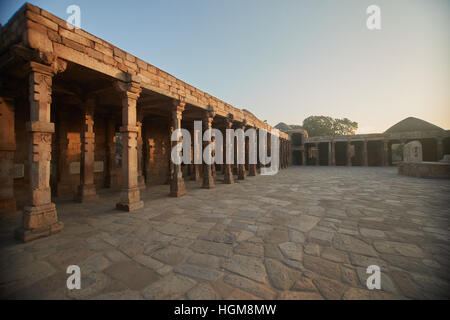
307, 233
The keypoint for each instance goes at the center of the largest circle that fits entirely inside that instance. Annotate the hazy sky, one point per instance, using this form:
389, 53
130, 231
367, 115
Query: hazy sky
286, 60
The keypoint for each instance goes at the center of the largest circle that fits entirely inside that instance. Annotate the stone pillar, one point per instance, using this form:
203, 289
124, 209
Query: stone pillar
111, 177
170, 163
208, 179
7, 149
213, 166
241, 167
365, 154
86, 189
39, 217
130, 198
385, 153
305, 149
140, 151
252, 168
228, 169
177, 187
439, 149
318, 154
333, 153
64, 185
349, 154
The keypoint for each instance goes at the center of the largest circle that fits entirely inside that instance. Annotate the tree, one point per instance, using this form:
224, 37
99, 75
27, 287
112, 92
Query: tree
327, 126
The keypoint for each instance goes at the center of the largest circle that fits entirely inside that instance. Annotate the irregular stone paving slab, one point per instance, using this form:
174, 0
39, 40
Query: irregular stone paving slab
249, 267
294, 295
197, 272
131, 274
352, 244
250, 249
291, 250
171, 287
404, 249
203, 291
209, 247
171, 255
250, 286
280, 276
303, 223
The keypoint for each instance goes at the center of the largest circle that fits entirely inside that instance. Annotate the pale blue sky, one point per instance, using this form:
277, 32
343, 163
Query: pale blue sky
285, 60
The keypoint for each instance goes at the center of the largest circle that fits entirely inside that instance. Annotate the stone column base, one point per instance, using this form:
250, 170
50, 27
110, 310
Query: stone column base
86, 193
141, 182
130, 206
38, 222
177, 189
252, 170
208, 179
33, 234
8, 205
228, 175
130, 200
241, 172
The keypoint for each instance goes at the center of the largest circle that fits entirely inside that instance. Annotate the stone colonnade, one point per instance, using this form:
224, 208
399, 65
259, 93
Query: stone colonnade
40, 217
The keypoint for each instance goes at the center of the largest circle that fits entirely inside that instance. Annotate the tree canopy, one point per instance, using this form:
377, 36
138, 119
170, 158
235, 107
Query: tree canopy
328, 126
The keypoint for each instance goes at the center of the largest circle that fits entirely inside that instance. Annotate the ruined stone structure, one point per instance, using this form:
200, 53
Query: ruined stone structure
369, 149
78, 114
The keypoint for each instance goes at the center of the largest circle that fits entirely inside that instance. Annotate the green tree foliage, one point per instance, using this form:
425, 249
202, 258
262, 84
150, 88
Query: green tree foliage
327, 126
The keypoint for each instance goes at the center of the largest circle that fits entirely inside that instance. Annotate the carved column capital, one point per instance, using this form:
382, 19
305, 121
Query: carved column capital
130, 90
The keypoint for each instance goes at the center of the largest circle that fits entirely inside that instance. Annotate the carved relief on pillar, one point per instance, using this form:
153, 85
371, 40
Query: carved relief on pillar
130, 198
40, 218
208, 179
177, 187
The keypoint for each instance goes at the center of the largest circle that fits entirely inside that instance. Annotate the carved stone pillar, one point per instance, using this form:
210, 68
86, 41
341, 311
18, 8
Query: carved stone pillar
111, 177
39, 217
7, 149
241, 167
365, 154
349, 153
177, 187
86, 189
208, 179
228, 169
130, 198
140, 150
